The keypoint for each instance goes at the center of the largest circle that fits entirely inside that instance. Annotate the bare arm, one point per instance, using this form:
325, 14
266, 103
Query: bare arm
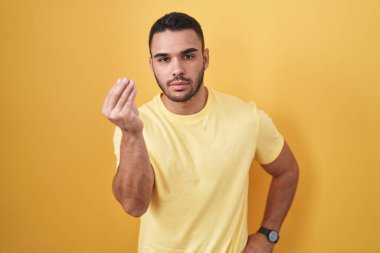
284, 171
134, 179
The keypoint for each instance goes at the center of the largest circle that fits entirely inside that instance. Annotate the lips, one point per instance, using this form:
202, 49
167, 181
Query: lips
178, 83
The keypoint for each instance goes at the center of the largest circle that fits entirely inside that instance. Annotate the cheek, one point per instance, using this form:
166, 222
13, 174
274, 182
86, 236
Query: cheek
197, 68
163, 69
160, 72
194, 67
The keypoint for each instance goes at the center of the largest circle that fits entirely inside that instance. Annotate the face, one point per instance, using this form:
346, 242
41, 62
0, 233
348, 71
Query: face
178, 63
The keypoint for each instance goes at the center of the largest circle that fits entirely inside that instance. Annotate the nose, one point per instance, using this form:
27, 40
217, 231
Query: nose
178, 68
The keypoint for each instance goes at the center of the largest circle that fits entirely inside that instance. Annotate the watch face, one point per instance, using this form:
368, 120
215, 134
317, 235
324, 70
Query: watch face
273, 236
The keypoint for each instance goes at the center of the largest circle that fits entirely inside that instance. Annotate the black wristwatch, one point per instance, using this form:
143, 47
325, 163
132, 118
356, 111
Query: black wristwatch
272, 235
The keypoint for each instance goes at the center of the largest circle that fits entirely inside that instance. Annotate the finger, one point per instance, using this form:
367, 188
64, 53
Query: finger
124, 96
115, 92
106, 101
131, 98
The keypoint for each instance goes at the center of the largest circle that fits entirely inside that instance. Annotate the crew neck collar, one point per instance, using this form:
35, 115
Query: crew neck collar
187, 118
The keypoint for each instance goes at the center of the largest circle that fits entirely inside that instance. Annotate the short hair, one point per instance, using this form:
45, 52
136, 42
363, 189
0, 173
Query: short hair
176, 21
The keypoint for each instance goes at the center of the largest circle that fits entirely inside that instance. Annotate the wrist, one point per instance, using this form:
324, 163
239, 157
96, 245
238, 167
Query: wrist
127, 134
271, 234
130, 139
272, 225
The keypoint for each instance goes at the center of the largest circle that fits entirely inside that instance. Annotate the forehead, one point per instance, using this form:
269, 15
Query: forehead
175, 41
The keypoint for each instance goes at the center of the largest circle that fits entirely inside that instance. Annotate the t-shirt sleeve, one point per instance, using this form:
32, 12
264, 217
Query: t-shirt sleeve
116, 144
269, 139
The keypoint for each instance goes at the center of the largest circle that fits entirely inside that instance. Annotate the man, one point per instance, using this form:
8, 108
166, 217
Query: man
184, 157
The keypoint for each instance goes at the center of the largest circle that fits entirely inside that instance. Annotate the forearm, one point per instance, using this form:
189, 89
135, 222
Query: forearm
133, 182
281, 193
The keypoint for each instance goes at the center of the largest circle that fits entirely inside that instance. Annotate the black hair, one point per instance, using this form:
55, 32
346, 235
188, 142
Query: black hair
176, 21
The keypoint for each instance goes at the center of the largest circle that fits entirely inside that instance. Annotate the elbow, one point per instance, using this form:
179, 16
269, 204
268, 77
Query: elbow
296, 170
136, 210
134, 199
132, 204
294, 173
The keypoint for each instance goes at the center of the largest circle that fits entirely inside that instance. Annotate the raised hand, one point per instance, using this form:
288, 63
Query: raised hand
119, 106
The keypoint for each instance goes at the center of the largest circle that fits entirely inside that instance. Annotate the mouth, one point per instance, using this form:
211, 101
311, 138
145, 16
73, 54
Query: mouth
179, 84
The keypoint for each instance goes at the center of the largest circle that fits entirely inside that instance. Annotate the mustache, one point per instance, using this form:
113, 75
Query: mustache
179, 78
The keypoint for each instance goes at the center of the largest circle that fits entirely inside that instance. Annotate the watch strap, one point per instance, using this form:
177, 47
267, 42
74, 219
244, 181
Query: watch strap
264, 230
267, 232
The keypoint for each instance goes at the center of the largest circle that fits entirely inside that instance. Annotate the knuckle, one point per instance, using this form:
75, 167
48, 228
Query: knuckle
105, 112
112, 116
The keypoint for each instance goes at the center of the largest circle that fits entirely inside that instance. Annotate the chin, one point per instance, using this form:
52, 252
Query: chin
182, 98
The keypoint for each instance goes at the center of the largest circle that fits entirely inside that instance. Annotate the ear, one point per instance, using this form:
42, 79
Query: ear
151, 64
206, 58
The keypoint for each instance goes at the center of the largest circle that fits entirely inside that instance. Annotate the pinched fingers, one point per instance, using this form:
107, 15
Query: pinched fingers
119, 106
126, 96
114, 94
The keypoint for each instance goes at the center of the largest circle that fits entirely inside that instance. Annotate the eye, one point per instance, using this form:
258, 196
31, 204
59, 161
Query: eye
188, 56
163, 59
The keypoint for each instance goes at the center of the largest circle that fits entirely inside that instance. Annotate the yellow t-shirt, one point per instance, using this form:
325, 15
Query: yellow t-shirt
201, 164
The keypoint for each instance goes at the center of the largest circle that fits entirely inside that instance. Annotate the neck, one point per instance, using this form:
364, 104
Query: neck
192, 106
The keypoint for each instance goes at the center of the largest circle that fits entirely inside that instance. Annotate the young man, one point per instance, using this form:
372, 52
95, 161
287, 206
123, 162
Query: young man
184, 157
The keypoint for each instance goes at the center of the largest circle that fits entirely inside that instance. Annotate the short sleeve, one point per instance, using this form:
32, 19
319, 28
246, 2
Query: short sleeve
116, 144
269, 139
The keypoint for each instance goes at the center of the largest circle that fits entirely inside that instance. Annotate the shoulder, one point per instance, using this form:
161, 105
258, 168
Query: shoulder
149, 106
149, 109
231, 102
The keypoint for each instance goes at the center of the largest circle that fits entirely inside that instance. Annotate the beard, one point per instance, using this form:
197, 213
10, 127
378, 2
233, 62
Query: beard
193, 91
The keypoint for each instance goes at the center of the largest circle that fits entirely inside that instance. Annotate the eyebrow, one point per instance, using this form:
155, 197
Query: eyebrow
182, 52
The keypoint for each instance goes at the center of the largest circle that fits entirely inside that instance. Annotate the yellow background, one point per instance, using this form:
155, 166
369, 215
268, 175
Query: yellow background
314, 66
